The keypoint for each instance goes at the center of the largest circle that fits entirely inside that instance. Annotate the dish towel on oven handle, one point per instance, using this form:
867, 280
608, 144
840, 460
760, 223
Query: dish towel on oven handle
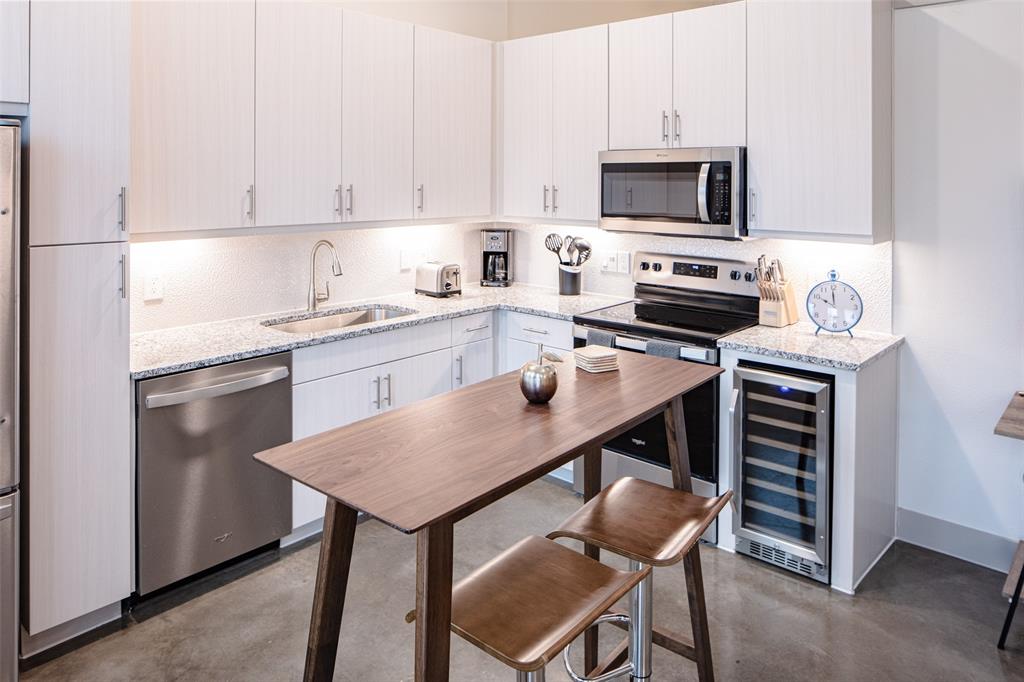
599, 337
664, 349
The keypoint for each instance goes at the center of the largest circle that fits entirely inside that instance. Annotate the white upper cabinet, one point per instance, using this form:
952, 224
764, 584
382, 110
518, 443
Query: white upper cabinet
78, 178
377, 123
14, 52
580, 123
527, 127
640, 82
298, 112
709, 90
819, 119
452, 130
555, 122
192, 115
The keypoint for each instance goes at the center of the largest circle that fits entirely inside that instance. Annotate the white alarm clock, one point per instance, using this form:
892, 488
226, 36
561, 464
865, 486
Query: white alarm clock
834, 306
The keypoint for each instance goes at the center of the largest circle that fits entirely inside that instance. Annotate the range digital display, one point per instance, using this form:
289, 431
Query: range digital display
695, 270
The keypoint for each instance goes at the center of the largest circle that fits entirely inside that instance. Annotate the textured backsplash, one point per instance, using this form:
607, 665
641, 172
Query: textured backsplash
214, 279
867, 268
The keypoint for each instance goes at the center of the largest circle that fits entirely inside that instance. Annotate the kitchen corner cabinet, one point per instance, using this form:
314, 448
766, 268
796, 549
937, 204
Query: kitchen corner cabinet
193, 115
298, 112
78, 178
14, 51
79, 503
555, 123
452, 127
640, 82
709, 76
377, 118
819, 119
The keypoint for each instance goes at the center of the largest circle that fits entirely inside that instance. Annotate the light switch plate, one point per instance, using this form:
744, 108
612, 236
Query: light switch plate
154, 289
624, 262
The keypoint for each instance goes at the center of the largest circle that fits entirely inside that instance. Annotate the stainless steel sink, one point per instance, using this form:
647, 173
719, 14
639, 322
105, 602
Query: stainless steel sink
339, 320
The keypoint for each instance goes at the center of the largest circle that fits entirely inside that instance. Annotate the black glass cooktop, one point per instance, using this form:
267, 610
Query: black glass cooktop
679, 323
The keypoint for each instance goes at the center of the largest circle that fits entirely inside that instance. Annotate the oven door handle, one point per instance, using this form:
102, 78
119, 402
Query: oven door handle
685, 352
702, 192
737, 457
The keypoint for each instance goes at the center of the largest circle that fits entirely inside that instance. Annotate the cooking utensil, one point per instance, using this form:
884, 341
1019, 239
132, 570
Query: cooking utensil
583, 250
572, 251
553, 243
566, 242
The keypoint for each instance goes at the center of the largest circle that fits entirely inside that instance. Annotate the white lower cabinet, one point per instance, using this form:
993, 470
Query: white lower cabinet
78, 474
334, 401
518, 352
472, 363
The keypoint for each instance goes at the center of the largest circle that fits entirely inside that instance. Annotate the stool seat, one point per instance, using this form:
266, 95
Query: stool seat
643, 521
526, 605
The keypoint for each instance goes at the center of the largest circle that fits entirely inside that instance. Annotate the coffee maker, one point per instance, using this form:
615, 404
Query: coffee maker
496, 246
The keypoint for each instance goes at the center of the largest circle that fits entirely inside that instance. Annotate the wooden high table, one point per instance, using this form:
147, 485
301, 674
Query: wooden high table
423, 467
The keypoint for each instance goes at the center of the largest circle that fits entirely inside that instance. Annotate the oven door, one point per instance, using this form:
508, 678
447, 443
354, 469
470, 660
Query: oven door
693, 192
648, 441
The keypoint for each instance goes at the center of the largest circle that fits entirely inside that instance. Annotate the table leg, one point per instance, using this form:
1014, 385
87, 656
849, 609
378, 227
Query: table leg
678, 450
434, 549
1013, 609
591, 487
329, 593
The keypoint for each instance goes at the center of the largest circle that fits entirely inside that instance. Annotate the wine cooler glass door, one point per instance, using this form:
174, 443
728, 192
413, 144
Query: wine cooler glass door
781, 462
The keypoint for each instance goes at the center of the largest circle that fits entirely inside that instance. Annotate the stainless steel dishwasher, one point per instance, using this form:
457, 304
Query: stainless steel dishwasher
202, 498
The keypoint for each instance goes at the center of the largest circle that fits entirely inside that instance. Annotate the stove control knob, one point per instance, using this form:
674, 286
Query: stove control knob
645, 265
657, 267
749, 277
734, 275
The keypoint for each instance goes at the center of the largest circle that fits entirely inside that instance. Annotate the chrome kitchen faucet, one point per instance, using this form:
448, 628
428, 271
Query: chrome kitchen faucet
315, 297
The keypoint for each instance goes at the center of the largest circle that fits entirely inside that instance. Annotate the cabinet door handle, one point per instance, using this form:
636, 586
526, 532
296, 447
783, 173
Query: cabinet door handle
545, 198
337, 200
535, 331
458, 361
629, 197
376, 383
554, 198
737, 448
122, 209
391, 387
419, 206
664, 126
348, 199
753, 206
476, 329
677, 125
251, 200
123, 289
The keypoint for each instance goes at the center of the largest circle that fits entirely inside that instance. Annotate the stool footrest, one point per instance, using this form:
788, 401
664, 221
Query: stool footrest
618, 619
666, 639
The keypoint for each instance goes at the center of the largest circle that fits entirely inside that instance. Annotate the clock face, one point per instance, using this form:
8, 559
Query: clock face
834, 306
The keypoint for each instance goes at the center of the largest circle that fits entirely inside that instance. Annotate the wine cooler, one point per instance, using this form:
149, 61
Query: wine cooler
782, 443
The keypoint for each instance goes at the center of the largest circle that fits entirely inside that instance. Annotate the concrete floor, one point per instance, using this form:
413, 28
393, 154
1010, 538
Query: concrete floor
918, 616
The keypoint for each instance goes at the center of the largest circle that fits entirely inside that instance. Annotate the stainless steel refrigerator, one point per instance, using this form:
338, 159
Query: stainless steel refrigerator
10, 162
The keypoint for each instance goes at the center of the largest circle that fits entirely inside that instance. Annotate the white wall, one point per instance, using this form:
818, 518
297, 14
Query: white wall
216, 279
959, 181
867, 268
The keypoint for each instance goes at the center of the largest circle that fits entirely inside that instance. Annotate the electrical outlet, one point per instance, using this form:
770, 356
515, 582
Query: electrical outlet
610, 262
624, 262
405, 260
154, 289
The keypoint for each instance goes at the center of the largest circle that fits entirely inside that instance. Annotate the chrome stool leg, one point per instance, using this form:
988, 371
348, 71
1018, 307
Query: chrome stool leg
641, 624
535, 676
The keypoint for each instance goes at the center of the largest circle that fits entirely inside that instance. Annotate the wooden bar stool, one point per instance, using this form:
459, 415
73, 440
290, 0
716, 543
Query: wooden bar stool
651, 525
530, 602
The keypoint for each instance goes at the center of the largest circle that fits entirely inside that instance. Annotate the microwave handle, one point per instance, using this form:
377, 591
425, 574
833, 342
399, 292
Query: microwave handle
702, 192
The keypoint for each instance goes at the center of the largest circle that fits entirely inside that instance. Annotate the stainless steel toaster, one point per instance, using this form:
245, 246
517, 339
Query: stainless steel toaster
438, 279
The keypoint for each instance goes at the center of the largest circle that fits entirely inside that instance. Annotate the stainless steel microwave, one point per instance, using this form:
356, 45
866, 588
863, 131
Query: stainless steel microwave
695, 192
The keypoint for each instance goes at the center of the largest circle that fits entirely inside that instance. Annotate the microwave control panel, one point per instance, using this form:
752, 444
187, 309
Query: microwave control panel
720, 191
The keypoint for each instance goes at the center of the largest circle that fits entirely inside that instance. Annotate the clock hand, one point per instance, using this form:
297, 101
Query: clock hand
833, 298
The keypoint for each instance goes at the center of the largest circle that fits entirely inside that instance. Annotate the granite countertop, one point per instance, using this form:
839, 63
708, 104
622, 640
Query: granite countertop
798, 343
201, 345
